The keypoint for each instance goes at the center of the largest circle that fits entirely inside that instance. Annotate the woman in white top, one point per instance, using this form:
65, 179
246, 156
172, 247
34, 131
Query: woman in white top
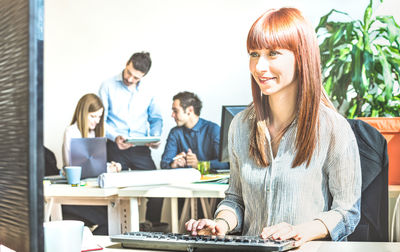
295, 165
88, 121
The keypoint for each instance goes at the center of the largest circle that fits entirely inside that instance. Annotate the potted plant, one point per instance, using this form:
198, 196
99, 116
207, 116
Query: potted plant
361, 63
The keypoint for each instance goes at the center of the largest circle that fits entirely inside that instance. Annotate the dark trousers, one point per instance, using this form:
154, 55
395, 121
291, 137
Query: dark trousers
137, 158
90, 215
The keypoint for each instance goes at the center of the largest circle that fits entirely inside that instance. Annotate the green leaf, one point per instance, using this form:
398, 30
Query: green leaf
352, 110
387, 74
367, 16
324, 19
364, 79
360, 62
392, 29
368, 59
337, 36
375, 113
357, 61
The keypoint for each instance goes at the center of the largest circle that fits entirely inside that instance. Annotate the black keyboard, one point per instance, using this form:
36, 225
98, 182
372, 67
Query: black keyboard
185, 242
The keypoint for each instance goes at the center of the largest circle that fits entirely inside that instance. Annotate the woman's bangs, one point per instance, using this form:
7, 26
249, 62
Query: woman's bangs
267, 34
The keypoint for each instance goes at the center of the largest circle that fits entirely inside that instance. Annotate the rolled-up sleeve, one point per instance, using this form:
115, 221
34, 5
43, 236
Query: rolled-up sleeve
344, 183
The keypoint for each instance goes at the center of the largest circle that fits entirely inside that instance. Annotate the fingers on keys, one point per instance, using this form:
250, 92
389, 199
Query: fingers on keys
200, 227
281, 231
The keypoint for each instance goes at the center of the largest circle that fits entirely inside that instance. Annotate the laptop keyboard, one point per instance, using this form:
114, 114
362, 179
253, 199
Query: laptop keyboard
185, 242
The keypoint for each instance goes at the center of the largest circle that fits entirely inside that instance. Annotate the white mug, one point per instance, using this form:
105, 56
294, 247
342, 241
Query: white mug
63, 236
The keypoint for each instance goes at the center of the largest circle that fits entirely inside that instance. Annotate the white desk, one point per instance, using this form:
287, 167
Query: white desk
314, 246
123, 203
56, 195
189, 191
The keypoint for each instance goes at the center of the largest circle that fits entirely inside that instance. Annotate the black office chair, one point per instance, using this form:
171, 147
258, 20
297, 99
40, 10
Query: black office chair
373, 225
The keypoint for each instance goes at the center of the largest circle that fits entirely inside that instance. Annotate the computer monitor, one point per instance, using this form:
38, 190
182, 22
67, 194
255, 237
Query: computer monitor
21, 126
228, 112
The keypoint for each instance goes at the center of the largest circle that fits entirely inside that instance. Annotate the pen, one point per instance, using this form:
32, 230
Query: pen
179, 156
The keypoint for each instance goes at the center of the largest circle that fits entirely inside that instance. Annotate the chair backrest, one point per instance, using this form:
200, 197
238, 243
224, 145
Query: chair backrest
50, 165
372, 146
389, 127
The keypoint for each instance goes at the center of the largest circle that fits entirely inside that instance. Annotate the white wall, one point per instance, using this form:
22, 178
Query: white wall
195, 45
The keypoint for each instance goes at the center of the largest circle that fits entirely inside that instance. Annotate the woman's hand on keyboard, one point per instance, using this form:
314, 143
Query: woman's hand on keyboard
205, 227
301, 233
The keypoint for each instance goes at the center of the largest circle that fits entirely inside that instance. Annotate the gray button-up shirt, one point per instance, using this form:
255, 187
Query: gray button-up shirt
265, 196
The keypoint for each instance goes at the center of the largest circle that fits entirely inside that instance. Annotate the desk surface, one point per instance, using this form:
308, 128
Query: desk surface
83, 191
316, 246
181, 190
201, 190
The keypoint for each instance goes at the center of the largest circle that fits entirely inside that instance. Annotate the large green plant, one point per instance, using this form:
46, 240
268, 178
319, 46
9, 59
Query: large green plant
360, 63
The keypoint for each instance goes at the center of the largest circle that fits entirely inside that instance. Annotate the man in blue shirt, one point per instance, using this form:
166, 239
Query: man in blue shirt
130, 111
193, 139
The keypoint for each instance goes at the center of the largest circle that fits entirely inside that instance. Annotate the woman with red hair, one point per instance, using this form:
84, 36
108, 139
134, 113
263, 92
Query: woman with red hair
295, 166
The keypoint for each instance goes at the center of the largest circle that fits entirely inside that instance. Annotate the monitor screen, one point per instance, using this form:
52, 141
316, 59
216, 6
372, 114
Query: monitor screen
228, 112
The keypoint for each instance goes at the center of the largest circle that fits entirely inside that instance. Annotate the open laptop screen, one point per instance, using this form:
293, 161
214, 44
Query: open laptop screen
90, 154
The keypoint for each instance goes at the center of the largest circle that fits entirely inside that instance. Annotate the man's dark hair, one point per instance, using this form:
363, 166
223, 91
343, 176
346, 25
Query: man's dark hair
141, 61
189, 99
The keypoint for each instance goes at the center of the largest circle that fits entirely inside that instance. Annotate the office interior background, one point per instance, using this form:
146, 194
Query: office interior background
195, 45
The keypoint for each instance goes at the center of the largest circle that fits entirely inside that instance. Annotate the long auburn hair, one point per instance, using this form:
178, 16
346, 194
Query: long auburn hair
286, 28
87, 104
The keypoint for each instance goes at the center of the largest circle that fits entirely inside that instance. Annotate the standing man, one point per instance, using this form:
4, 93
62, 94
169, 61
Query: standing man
131, 111
193, 139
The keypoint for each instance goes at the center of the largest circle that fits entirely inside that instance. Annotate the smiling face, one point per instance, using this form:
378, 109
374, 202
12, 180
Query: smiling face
180, 115
273, 70
131, 75
94, 118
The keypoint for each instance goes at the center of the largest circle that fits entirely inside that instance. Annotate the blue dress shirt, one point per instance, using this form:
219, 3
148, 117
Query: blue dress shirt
202, 139
129, 113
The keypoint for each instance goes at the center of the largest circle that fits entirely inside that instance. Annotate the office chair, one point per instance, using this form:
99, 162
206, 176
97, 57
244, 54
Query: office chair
373, 225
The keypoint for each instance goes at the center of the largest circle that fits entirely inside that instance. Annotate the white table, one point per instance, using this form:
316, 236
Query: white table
123, 203
314, 246
56, 195
130, 197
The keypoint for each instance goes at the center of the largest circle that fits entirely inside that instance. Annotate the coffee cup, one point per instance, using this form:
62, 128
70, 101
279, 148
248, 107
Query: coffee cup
73, 174
63, 236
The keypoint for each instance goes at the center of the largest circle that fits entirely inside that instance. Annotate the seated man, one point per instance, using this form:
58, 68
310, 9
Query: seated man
193, 139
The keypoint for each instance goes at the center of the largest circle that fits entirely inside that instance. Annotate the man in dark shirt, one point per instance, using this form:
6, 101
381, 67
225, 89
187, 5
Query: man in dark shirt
193, 139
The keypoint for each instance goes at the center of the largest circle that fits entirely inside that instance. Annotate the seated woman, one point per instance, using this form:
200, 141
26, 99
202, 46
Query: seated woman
295, 166
88, 121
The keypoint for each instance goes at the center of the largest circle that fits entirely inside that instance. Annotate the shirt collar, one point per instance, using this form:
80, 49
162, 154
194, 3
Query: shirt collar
198, 125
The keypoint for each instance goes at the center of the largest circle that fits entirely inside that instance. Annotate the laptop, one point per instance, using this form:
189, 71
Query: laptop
90, 154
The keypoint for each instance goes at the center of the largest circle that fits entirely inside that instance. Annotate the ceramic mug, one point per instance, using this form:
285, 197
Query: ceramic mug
73, 174
63, 236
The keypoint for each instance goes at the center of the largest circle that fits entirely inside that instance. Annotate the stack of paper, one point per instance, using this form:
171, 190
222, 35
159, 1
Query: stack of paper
152, 177
215, 178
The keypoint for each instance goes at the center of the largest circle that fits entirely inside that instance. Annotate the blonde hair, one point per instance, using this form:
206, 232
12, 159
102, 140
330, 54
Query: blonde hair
87, 104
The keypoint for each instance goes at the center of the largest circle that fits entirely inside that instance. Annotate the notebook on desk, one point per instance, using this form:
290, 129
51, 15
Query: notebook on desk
90, 154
